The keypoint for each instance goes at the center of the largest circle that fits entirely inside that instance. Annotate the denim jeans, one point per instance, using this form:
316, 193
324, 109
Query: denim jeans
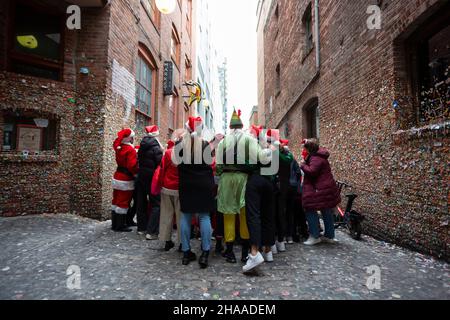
205, 231
314, 224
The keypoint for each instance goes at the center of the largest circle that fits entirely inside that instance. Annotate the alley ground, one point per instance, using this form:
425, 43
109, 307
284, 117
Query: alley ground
37, 250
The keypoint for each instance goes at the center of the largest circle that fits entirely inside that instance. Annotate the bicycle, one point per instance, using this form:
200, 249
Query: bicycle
349, 219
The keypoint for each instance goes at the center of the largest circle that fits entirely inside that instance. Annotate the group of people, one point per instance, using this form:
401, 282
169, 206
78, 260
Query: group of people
245, 187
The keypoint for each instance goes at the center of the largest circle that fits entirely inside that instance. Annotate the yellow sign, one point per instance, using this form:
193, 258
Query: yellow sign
29, 41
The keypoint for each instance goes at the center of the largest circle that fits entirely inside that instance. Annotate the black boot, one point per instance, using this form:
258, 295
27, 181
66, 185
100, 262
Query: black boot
131, 223
219, 247
130, 216
169, 245
203, 261
229, 254
188, 257
113, 220
245, 250
122, 223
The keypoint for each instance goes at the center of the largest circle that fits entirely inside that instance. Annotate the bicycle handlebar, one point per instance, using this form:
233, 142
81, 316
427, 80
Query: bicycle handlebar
343, 184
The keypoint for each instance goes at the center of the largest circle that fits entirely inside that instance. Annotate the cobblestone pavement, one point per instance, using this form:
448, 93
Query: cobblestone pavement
37, 250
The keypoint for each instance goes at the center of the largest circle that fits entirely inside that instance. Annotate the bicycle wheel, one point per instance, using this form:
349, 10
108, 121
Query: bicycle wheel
355, 229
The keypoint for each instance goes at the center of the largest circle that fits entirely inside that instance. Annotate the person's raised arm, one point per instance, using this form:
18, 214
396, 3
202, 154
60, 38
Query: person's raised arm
313, 168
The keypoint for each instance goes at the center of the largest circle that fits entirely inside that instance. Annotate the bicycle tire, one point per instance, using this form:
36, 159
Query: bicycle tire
355, 229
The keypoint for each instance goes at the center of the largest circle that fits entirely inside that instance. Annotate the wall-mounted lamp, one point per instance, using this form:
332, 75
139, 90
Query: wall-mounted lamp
166, 6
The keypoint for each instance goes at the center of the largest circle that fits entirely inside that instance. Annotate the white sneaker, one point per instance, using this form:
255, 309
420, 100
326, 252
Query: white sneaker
329, 241
281, 247
290, 240
312, 241
268, 257
151, 237
274, 249
253, 262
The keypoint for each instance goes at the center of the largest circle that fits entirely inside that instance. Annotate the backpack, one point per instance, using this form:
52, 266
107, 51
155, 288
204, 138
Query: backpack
294, 179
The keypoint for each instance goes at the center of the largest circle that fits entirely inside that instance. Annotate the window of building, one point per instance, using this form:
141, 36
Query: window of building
311, 119
307, 27
189, 17
152, 11
28, 131
429, 65
278, 80
173, 110
145, 89
188, 69
36, 35
270, 105
207, 117
287, 131
175, 47
185, 114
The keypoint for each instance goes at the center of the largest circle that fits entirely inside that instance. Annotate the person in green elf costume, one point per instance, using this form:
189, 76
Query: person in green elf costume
233, 167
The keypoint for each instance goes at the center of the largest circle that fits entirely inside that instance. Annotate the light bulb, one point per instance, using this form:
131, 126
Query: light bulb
166, 6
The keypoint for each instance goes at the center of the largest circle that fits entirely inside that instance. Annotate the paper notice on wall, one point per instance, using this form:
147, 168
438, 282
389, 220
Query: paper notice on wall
123, 84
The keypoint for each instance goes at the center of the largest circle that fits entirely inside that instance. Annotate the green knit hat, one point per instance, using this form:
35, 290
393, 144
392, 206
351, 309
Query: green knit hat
236, 122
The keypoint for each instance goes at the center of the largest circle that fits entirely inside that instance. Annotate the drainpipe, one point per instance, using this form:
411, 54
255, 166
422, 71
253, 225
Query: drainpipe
317, 32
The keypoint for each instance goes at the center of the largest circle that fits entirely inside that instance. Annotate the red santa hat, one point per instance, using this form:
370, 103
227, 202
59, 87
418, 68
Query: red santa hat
284, 144
273, 136
255, 130
194, 126
123, 136
152, 131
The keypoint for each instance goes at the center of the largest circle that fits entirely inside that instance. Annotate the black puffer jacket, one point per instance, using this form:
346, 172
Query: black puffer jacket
149, 156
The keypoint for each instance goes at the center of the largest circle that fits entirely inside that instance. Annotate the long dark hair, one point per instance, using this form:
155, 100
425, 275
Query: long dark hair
312, 145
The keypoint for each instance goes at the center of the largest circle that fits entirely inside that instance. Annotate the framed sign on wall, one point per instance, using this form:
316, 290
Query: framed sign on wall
29, 138
168, 78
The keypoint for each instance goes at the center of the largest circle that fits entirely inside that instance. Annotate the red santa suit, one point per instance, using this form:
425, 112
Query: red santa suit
123, 180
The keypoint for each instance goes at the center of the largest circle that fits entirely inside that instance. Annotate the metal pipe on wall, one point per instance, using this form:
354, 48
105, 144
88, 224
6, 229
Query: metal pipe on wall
317, 32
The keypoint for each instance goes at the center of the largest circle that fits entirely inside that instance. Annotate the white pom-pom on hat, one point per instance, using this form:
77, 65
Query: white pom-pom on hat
194, 126
152, 131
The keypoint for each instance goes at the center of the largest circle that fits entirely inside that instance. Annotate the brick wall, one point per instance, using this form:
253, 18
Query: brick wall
66, 179
400, 174
129, 20
76, 177
41, 183
263, 10
90, 116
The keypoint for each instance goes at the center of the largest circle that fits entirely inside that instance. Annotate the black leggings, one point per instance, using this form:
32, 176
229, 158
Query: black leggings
281, 214
259, 211
146, 223
296, 219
